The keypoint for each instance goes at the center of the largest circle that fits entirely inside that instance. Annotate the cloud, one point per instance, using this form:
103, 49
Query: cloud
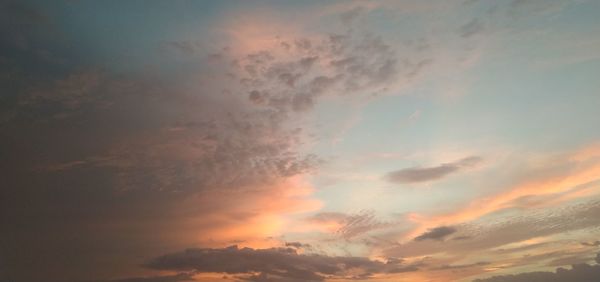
461, 266
297, 245
275, 263
592, 244
471, 28
438, 233
348, 226
418, 174
517, 237
564, 176
578, 272
215, 151
166, 278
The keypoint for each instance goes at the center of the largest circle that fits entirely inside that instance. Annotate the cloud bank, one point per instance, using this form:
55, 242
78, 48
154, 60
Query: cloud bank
275, 264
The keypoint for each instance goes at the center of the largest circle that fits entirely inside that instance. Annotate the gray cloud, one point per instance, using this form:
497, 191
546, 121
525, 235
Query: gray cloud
578, 272
291, 76
181, 277
418, 174
283, 264
297, 245
438, 233
591, 244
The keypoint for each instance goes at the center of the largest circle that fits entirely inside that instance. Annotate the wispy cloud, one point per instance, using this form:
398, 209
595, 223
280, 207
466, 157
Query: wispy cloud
438, 233
424, 174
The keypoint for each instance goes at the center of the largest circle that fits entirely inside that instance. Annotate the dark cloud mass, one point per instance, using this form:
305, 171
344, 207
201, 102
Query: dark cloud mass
279, 263
418, 174
438, 233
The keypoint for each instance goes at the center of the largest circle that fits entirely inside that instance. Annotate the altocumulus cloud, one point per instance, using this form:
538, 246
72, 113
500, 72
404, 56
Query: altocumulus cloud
275, 264
423, 174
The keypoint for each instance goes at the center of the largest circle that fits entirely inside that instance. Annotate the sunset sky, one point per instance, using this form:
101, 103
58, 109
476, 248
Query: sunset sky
289, 141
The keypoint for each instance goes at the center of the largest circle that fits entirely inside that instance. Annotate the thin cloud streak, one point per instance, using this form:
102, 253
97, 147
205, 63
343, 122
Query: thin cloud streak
419, 174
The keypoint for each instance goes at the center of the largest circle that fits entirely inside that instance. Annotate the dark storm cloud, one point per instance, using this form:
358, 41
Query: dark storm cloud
418, 174
578, 272
279, 263
438, 233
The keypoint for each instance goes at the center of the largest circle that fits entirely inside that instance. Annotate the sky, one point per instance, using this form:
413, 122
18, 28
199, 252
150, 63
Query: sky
288, 141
